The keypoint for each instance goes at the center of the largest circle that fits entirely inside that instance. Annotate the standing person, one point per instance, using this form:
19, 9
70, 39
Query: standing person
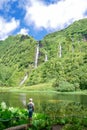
30, 107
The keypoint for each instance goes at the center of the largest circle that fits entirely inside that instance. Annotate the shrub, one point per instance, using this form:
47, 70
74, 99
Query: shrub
2, 127
73, 127
65, 86
77, 86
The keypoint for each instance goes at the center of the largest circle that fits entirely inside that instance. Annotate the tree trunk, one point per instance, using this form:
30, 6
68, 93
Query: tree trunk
20, 127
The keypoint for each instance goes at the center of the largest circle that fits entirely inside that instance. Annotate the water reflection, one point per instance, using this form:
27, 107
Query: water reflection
21, 99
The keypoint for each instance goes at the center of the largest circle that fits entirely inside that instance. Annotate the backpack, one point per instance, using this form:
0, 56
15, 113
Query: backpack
30, 107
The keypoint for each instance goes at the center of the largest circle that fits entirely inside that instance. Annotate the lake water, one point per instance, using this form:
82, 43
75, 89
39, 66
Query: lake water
14, 99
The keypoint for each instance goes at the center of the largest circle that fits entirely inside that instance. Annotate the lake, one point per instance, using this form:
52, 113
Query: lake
20, 99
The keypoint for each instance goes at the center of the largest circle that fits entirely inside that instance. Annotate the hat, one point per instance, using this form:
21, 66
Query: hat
30, 99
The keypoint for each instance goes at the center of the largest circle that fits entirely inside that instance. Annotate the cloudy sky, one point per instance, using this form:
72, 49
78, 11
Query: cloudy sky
38, 17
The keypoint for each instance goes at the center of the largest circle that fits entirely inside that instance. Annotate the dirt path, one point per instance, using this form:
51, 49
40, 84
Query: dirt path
57, 127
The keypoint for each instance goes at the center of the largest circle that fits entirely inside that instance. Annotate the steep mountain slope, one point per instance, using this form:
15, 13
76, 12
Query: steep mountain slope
17, 56
61, 57
66, 52
69, 39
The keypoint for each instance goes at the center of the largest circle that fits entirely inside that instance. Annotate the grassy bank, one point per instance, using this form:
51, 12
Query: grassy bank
40, 87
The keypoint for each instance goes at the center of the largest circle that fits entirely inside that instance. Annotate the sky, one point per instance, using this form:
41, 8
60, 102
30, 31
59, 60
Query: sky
38, 18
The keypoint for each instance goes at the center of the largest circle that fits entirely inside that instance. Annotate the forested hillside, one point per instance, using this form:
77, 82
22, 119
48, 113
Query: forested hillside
60, 57
17, 55
66, 58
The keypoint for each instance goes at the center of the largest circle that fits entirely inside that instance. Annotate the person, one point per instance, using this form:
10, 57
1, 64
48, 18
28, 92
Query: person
30, 107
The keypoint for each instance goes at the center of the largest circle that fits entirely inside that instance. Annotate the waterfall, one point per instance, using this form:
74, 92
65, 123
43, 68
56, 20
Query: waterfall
24, 79
37, 55
46, 58
60, 50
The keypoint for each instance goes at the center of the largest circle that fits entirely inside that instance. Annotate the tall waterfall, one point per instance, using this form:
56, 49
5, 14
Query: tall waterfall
37, 55
46, 58
60, 50
24, 79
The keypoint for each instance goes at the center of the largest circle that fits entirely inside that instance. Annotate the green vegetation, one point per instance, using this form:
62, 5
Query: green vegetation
39, 87
16, 59
62, 66
66, 114
67, 57
65, 66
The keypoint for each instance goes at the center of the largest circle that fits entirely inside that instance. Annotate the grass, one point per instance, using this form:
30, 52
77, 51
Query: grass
39, 87
45, 87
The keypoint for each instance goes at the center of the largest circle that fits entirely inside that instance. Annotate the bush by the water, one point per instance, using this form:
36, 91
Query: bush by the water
64, 86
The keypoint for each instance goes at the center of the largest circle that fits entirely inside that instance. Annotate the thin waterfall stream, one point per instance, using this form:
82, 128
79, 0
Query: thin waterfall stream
46, 57
37, 55
24, 79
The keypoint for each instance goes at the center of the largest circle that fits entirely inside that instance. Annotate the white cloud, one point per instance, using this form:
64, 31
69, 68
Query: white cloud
54, 16
24, 31
6, 28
